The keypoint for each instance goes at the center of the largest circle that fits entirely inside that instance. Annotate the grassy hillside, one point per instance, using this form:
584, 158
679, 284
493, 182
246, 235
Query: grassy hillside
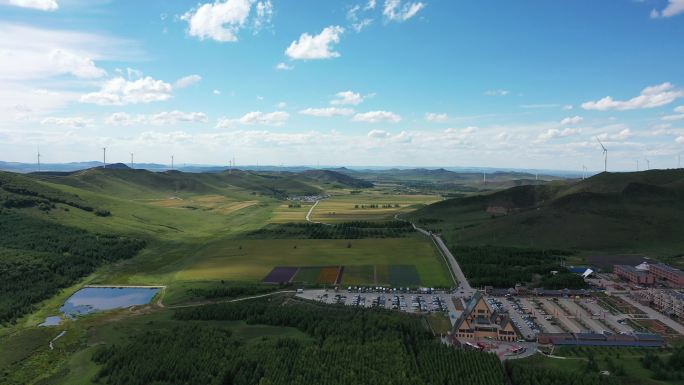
610, 212
448, 181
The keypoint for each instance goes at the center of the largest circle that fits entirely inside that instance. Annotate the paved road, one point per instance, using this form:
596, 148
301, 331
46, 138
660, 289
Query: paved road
451, 260
652, 313
559, 314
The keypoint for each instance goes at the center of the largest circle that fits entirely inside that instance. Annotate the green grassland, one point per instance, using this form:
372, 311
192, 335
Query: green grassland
350, 207
624, 363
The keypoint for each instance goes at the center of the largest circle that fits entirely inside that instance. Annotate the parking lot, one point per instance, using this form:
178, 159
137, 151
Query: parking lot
545, 320
518, 312
410, 302
618, 323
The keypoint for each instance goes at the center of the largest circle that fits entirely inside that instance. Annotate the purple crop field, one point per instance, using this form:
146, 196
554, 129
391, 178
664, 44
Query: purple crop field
281, 274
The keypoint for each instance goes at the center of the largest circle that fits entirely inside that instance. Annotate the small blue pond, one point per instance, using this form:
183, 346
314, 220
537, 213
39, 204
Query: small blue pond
92, 299
52, 321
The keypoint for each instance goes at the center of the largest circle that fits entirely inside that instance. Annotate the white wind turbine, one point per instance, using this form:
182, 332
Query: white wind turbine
605, 155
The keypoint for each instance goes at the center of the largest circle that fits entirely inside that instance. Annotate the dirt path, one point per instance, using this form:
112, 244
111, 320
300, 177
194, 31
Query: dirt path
230, 300
52, 347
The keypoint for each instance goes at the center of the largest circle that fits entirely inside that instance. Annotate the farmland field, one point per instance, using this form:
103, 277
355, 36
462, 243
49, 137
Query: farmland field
252, 260
284, 214
369, 206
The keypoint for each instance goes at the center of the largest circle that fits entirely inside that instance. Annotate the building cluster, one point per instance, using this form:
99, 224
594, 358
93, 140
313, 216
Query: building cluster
667, 301
649, 274
597, 339
478, 320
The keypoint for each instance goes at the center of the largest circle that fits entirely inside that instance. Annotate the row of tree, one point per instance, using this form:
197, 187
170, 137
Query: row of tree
347, 230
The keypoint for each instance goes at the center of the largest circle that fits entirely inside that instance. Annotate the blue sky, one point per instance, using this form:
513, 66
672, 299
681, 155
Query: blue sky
527, 84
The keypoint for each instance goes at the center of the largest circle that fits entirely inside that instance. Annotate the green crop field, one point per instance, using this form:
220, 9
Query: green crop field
362, 207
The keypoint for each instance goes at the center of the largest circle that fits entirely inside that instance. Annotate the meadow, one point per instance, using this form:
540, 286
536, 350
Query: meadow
368, 206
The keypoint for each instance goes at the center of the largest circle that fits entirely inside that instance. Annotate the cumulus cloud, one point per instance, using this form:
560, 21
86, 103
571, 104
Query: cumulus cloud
284, 66
571, 120
327, 112
41, 5
680, 139
187, 81
394, 10
73, 122
498, 92
435, 117
276, 118
673, 8
347, 98
320, 46
378, 134
554, 133
222, 20
159, 119
119, 91
621, 135
377, 116
650, 97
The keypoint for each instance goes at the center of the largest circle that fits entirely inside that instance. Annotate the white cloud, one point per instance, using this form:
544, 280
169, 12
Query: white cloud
316, 47
678, 116
378, 134
347, 98
567, 107
73, 122
377, 116
276, 118
680, 139
216, 92
71, 63
42, 5
499, 92
553, 133
327, 112
571, 120
164, 118
34, 53
220, 21
622, 135
650, 97
284, 66
362, 24
370, 5
264, 14
187, 81
435, 117
673, 8
395, 11
281, 105
119, 91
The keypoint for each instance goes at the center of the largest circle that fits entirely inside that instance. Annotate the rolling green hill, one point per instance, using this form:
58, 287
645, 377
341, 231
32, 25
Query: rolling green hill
336, 178
610, 212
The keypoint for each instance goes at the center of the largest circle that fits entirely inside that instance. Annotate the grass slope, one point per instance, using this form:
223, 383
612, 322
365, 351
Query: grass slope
625, 212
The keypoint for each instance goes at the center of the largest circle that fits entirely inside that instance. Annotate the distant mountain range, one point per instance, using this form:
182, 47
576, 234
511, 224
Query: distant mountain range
75, 166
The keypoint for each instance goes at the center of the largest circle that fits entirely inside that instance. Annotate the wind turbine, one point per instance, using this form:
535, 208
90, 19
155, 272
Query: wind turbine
484, 177
38, 159
104, 157
637, 164
584, 172
131, 160
648, 164
171, 162
679, 161
605, 155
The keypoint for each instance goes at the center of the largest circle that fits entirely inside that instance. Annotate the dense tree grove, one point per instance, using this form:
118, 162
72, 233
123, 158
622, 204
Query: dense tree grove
346, 230
39, 257
346, 346
19, 192
670, 369
230, 291
522, 374
563, 280
483, 265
